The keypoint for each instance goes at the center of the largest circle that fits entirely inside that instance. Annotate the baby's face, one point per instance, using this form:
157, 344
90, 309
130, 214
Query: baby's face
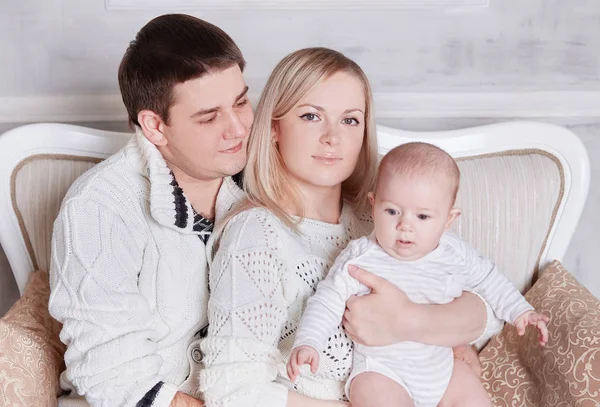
411, 213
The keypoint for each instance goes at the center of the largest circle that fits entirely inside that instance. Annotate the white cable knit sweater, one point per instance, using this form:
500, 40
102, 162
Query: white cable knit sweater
129, 280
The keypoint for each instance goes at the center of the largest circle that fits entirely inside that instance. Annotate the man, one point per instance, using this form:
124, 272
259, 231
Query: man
129, 270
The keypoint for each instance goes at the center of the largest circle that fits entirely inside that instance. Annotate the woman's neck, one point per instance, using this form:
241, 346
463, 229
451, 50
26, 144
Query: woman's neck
319, 203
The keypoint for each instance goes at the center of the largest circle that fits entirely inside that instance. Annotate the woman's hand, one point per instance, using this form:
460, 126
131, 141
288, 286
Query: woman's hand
383, 317
387, 316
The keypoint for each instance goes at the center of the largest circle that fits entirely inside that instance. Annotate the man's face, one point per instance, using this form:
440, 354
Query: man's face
209, 123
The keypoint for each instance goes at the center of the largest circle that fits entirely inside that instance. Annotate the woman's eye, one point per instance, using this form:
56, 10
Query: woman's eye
311, 117
392, 212
350, 121
242, 103
423, 217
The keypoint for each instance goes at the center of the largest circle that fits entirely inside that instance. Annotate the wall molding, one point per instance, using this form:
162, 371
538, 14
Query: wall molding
290, 4
109, 107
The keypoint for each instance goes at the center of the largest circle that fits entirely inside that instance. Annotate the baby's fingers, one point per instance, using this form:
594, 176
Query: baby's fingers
520, 325
543, 328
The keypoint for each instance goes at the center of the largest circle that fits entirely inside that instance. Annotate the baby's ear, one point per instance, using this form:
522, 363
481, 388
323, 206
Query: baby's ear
371, 196
452, 215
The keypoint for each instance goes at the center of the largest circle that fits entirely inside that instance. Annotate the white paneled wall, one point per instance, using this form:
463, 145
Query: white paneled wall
438, 66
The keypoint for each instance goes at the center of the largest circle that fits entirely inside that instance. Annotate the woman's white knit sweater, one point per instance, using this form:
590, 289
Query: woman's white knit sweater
260, 280
129, 281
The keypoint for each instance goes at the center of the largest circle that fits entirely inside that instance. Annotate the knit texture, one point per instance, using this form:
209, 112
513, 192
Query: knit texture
129, 280
260, 280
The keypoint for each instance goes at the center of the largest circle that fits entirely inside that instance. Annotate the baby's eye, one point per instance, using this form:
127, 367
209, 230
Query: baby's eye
423, 217
392, 212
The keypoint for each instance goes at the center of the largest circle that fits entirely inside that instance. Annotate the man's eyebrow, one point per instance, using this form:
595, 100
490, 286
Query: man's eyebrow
204, 111
216, 109
241, 95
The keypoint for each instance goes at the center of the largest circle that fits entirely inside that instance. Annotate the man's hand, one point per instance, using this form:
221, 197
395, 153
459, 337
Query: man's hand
383, 317
540, 321
184, 400
302, 355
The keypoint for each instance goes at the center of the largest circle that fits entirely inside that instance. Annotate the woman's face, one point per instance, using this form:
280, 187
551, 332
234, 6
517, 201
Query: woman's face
320, 139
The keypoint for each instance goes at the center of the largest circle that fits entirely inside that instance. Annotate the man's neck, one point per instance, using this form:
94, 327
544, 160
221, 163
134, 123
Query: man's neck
202, 193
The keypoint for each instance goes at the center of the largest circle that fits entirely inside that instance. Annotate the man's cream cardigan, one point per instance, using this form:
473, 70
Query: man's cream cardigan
129, 281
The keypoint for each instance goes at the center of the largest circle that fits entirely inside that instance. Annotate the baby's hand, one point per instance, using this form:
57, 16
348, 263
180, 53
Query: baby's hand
534, 319
302, 355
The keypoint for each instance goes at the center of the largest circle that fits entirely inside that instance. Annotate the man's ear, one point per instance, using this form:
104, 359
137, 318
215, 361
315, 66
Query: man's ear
452, 215
153, 127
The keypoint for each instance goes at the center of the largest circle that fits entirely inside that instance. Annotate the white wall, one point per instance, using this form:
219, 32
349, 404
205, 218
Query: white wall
434, 68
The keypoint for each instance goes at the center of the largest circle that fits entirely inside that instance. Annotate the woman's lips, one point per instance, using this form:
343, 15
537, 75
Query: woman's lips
327, 159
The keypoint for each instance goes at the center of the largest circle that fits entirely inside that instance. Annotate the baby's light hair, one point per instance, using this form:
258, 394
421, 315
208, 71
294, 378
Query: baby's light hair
418, 159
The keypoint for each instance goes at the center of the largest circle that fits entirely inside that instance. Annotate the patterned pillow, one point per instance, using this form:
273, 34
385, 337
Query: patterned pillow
518, 372
31, 354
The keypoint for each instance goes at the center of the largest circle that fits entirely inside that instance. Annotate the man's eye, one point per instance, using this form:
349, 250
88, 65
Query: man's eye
423, 217
242, 103
208, 121
392, 212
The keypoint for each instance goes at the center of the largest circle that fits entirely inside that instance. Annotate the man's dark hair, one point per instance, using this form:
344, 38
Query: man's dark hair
169, 50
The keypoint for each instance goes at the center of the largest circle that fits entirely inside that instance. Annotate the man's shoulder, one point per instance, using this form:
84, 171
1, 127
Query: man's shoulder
111, 181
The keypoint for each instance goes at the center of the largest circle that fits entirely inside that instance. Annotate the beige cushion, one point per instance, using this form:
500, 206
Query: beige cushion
518, 372
31, 355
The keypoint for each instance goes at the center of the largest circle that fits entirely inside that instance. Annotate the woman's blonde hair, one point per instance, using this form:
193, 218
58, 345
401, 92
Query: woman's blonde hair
266, 181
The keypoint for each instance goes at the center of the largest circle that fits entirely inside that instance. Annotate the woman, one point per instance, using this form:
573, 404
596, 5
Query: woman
311, 162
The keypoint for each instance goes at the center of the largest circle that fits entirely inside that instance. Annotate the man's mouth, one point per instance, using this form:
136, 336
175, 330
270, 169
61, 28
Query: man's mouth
233, 149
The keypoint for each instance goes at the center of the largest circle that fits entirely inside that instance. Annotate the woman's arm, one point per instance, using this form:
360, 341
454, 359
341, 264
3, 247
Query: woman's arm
387, 316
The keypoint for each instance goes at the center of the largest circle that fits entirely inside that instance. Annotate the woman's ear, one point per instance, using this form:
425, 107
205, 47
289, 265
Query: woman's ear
274, 131
153, 127
452, 215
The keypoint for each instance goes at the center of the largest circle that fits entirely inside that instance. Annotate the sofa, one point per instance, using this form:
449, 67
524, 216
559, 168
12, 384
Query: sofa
523, 187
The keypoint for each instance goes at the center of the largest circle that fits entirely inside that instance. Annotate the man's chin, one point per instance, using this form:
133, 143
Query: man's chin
233, 169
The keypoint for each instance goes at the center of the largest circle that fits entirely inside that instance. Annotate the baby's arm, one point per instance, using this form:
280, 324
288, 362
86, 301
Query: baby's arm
324, 310
485, 279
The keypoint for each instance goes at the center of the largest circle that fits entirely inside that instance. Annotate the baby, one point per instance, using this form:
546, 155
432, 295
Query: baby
412, 248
